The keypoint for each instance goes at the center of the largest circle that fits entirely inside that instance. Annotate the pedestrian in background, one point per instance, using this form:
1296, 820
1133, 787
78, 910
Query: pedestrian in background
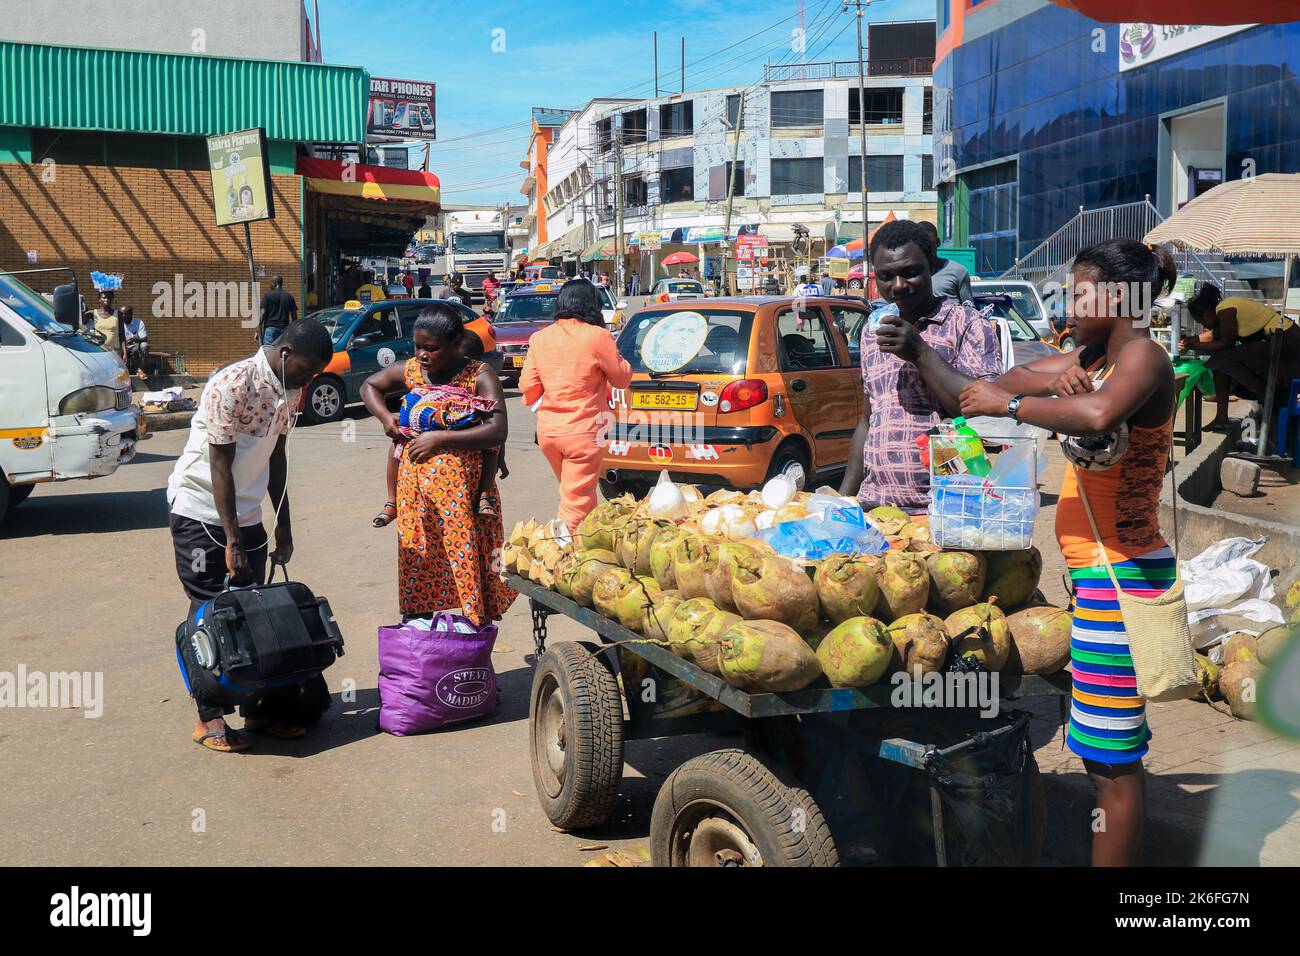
950, 280
106, 323
826, 285
634, 287
571, 366
135, 341
278, 310
425, 291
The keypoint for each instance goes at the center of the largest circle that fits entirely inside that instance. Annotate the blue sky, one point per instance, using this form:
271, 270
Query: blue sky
562, 53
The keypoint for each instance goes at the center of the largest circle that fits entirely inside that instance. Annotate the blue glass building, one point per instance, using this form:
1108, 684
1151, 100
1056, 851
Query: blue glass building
1039, 110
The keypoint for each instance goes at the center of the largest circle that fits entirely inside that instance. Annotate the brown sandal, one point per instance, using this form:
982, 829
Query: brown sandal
384, 519
234, 742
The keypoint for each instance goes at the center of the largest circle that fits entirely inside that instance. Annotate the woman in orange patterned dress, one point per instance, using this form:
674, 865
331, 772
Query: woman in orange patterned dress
448, 554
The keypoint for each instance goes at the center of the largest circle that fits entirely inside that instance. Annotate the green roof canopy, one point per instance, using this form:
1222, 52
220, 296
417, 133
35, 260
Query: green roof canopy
61, 87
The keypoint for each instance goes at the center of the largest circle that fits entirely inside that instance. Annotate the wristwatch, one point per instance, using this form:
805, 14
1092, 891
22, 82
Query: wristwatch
1013, 407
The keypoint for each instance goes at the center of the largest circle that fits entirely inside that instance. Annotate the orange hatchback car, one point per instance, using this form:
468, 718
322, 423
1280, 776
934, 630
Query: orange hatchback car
731, 392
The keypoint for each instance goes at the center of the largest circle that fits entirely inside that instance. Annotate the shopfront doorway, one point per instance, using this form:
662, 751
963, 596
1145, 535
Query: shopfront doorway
1192, 147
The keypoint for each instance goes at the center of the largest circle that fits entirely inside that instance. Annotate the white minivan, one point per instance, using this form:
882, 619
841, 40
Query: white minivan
65, 402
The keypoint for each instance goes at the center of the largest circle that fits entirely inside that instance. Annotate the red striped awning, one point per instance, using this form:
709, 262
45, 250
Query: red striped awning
1206, 12
369, 182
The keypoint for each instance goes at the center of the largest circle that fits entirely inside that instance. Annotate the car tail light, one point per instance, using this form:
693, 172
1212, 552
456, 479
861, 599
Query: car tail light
746, 393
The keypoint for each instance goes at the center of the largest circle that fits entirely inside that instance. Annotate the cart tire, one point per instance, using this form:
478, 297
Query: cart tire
575, 739
750, 814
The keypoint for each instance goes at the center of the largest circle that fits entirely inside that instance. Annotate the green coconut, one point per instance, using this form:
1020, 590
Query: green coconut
1293, 595
634, 599
1272, 641
847, 586
766, 657
768, 587
691, 614
1012, 576
1208, 672
596, 530
1240, 646
856, 652
587, 567
720, 569
956, 579
980, 631
694, 554
606, 590
701, 646
920, 642
1239, 684
655, 618
904, 586
888, 519
661, 555
1040, 640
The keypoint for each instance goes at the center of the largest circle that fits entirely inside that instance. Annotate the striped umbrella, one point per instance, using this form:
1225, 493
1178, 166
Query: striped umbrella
1259, 216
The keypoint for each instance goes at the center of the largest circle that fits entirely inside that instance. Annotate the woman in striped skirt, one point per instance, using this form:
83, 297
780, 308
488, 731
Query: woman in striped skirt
1112, 402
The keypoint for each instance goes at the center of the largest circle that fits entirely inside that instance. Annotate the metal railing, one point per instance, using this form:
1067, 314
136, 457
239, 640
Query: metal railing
847, 69
1051, 259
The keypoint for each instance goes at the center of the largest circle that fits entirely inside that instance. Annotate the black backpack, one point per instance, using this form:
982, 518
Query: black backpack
248, 640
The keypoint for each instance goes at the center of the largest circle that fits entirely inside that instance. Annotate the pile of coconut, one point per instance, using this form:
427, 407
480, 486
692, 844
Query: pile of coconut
715, 595
1232, 670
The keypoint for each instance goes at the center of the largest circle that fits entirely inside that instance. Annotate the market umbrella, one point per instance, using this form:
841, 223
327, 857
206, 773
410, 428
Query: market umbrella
679, 259
843, 252
1204, 12
1258, 216
857, 245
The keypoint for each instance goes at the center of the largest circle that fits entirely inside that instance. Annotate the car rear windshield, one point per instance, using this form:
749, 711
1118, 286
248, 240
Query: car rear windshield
527, 308
1019, 295
685, 287
726, 347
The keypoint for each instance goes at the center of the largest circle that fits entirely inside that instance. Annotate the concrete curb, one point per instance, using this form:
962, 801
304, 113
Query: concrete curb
1200, 526
167, 421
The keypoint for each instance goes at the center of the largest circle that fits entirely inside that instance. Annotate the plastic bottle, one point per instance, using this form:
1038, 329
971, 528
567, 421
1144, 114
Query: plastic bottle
922, 444
943, 452
971, 448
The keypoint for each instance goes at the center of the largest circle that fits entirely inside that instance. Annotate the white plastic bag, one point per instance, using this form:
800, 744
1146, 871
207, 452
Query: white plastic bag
1227, 590
666, 500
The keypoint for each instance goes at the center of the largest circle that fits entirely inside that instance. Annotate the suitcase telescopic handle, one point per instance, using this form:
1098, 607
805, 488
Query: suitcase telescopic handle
283, 565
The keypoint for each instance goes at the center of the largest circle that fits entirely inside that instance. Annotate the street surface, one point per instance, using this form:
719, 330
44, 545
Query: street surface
89, 584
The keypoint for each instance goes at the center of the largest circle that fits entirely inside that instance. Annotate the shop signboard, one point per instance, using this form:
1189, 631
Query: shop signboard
241, 177
401, 108
649, 241
1143, 43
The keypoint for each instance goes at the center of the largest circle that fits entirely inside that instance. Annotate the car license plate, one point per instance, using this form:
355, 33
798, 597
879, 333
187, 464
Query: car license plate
686, 401
517, 361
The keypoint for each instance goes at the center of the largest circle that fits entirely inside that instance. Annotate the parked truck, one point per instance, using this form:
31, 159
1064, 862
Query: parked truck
477, 246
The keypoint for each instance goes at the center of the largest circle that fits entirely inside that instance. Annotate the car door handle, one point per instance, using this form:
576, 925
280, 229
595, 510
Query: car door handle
798, 385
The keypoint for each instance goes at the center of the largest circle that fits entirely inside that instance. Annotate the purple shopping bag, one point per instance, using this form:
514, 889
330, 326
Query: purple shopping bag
429, 678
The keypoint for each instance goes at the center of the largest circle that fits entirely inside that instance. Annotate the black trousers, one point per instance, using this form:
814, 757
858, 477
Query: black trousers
201, 567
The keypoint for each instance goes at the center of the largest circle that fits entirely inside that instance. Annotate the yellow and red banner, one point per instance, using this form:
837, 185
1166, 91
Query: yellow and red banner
341, 178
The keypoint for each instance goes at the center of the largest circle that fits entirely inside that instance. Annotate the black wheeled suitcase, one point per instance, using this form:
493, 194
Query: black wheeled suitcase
249, 641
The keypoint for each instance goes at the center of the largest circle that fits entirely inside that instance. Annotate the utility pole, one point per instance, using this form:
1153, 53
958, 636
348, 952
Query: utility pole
731, 188
683, 64
656, 36
617, 126
859, 5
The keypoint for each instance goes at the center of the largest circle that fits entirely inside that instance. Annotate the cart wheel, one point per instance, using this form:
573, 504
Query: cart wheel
728, 808
576, 735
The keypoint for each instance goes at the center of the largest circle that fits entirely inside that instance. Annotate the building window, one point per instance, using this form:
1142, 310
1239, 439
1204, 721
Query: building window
677, 185
737, 178
676, 119
634, 191
634, 126
136, 150
927, 172
605, 134
797, 108
884, 174
884, 107
927, 111
733, 110
797, 177
994, 197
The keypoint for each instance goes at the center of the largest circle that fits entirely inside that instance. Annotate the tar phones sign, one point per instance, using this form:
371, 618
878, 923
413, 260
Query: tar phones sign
401, 108
241, 177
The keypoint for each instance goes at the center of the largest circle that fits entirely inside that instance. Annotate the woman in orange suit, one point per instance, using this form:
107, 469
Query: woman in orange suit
571, 366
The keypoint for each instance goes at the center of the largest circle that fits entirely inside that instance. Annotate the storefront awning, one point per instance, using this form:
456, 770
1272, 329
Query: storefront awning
361, 180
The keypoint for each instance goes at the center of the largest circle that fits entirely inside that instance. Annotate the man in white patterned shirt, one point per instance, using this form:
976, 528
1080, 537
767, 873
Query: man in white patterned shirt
234, 456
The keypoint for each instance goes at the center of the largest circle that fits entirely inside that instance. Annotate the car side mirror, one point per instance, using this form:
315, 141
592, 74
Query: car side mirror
621, 304
67, 305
